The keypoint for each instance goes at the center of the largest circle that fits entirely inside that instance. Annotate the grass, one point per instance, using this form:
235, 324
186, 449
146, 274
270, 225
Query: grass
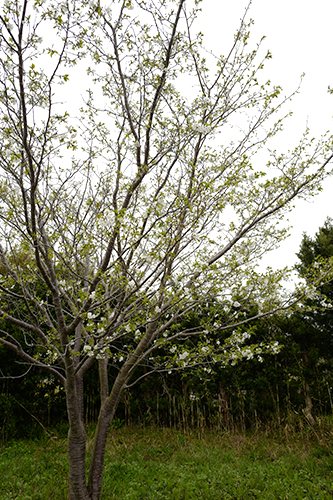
153, 464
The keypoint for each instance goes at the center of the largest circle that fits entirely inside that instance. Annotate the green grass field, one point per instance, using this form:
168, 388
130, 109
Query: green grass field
153, 464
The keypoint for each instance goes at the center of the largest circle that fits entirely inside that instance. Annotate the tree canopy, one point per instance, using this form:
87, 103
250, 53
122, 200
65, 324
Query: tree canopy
123, 211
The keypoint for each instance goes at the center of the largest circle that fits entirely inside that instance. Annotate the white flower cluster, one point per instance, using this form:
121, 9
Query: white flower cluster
275, 348
137, 335
239, 338
200, 128
233, 357
97, 351
311, 293
52, 356
91, 316
193, 397
183, 355
247, 353
102, 353
323, 303
104, 223
87, 349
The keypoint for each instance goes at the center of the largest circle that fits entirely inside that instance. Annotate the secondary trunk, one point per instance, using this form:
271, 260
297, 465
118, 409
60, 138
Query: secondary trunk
106, 415
108, 409
103, 379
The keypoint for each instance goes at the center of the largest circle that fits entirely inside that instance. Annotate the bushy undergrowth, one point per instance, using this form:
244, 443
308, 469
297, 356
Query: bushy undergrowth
153, 464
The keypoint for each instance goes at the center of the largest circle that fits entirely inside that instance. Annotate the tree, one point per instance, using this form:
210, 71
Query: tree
311, 324
117, 201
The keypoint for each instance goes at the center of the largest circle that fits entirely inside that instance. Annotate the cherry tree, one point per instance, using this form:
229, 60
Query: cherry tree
130, 196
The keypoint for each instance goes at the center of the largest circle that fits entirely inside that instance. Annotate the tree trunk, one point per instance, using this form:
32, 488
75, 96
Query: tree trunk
308, 404
107, 412
106, 415
77, 463
103, 379
76, 440
307, 394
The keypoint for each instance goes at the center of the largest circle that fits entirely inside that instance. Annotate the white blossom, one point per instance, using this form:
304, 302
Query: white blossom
102, 354
248, 354
275, 348
88, 350
183, 355
200, 128
310, 293
51, 355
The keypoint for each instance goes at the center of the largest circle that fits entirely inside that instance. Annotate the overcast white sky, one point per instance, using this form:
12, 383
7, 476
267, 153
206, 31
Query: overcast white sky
299, 35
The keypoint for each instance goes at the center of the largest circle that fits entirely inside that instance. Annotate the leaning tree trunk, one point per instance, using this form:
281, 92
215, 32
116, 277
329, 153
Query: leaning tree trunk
105, 418
107, 413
